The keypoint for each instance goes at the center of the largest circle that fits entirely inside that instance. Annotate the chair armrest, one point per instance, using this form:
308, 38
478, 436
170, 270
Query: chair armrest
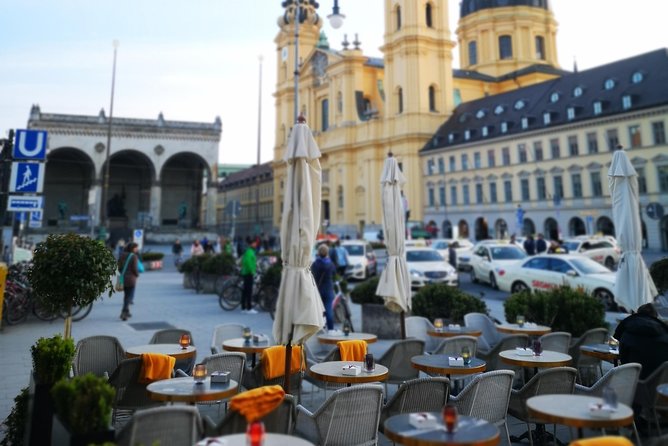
305, 425
178, 373
214, 350
209, 426
582, 390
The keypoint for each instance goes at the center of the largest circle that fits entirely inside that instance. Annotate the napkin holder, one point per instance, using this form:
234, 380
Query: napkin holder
260, 339
220, 377
530, 325
523, 351
457, 361
599, 410
351, 370
422, 420
454, 327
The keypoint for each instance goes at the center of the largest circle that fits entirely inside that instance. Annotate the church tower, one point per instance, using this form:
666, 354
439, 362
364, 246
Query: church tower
498, 37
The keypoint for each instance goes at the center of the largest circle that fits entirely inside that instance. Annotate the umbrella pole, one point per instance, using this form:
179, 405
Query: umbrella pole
403, 325
288, 362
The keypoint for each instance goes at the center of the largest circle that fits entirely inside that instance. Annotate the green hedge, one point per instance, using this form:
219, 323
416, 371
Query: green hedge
443, 301
272, 277
562, 309
218, 264
365, 292
150, 256
659, 272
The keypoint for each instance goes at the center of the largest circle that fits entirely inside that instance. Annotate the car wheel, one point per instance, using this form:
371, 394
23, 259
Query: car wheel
474, 279
606, 299
492, 281
519, 287
609, 263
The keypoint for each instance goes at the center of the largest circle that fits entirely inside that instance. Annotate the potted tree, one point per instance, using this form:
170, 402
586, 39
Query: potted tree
375, 317
69, 270
443, 301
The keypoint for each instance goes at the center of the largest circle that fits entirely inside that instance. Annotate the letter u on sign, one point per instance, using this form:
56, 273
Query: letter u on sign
30, 144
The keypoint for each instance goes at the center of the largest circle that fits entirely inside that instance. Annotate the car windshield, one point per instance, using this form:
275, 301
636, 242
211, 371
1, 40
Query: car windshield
423, 256
354, 250
572, 246
586, 265
507, 253
439, 245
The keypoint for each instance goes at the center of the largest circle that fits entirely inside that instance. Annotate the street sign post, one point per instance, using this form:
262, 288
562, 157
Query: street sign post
30, 145
27, 178
35, 219
654, 211
20, 203
138, 238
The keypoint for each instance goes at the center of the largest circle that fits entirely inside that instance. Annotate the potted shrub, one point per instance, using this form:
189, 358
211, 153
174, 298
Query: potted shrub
376, 318
15, 423
152, 260
69, 270
209, 267
446, 302
83, 410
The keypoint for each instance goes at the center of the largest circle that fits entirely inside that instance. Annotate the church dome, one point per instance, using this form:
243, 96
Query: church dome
471, 6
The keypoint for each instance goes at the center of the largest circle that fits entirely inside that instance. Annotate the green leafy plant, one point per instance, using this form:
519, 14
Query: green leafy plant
562, 309
84, 403
15, 423
150, 256
378, 245
69, 270
443, 301
659, 272
219, 264
365, 292
52, 359
272, 277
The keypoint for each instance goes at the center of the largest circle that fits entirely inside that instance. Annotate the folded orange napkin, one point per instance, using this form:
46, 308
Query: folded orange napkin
352, 350
273, 361
603, 441
255, 404
156, 366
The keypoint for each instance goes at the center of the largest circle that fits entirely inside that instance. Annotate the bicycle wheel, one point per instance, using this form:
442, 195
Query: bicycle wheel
17, 309
221, 283
266, 298
81, 312
42, 313
230, 297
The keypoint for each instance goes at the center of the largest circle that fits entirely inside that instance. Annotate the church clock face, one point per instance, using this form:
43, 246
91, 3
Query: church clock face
319, 64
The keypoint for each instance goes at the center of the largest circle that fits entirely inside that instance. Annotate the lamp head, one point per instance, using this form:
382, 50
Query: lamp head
336, 18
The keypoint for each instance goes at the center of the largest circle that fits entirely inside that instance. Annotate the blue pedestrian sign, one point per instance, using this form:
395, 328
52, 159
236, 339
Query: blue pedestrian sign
30, 145
35, 219
27, 178
20, 203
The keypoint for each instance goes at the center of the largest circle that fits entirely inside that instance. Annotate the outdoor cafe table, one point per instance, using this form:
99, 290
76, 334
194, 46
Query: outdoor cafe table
173, 350
573, 410
439, 364
270, 439
470, 432
331, 371
241, 345
547, 358
186, 390
531, 330
352, 336
446, 332
601, 351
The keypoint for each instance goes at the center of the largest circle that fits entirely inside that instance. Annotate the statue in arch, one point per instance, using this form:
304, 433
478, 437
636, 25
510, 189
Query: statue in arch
183, 210
62, 209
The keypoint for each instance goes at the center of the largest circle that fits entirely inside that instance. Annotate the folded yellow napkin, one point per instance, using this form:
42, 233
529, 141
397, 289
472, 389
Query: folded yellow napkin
352, 350
603, 441
156, 366
273, 361
255, 404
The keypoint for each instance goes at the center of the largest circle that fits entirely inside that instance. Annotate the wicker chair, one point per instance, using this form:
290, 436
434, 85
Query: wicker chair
454, 345
255, 378
486, 397
510, 342
162, 425
173, 336
584, 363
350, 416
130, 393
333, 355
648, 399
417, 327
490, 335
224, 332
557, 380
558, 341
232, 362
397, 360
281, 420
99, 355
623, 380
428, 394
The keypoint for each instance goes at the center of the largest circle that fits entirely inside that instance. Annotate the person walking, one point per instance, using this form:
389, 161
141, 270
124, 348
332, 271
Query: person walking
341, 259
177, 250
248, 270
196, 249
541, 244
323, 270
452, 254
530, 245
128, 267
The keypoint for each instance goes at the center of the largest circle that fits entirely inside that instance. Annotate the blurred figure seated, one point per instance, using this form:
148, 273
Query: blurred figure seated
643, 338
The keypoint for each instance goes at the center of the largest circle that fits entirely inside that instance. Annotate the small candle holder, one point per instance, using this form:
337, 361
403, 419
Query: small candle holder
184, 342
613, 343
247, 334
520, 320
199, 373
466, 355
255, 433
346, 328
438, 324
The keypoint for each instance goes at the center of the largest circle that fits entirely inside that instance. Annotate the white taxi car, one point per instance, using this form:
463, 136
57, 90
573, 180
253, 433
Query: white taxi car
490, 259
426, 265
464, 250
361, 259
546, 271
600, 249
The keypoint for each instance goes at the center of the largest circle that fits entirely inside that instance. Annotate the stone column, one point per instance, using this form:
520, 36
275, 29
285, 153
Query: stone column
211, 200
156, 203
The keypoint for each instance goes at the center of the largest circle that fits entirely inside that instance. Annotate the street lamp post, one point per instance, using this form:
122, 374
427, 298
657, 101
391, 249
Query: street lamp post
104, 217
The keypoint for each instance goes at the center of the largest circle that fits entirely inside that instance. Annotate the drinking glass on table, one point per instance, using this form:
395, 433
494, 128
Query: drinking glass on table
438, 324
520, 320
450, 418
466, 355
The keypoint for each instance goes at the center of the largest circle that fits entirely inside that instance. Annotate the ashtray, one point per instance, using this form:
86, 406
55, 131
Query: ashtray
422, 420
220, 377
351, 370
599, 410
456, 361
523, 351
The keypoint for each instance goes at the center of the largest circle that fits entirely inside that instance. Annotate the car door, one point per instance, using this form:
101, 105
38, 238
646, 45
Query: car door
536, 273
559, 269
485, 263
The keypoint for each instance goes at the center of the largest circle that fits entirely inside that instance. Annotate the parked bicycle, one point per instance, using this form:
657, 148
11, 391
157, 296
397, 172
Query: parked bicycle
341, 306
263, 297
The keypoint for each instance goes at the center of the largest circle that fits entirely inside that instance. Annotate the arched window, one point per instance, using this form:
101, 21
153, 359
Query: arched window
473, 52
398, 10
428, 18
432, 98
505, 47
400, 100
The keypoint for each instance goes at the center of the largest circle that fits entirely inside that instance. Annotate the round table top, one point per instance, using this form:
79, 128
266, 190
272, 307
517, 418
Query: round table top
662, 390
188, 391
532, 330
470, 432
352, 336
240, 345
446, 332
439, 364
573, 410
600, 351
270, 439
173, 350
331, 371
547, 358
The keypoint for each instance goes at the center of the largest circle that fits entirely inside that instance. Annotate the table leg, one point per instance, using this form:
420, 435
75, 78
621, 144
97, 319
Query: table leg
253, 360
540, 436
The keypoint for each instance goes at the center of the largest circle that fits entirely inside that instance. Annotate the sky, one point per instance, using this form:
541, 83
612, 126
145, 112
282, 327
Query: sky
198, 59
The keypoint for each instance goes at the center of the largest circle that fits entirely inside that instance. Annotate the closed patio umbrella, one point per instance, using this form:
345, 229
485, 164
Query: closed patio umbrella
394, 284
299, 310
633, 284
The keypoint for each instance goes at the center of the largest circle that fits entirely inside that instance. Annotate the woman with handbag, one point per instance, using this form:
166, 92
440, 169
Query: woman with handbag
128, 265
323, 270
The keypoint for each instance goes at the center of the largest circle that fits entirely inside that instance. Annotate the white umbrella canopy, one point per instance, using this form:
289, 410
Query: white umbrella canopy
394, 284
299, 309
633, 284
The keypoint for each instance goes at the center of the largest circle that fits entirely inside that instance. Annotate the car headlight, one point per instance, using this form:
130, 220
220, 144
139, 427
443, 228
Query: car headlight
358, 266
416, 273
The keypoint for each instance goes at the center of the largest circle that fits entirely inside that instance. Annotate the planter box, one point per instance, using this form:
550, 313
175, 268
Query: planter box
153, 265
380, 321
207, 282
40, 414
62, 437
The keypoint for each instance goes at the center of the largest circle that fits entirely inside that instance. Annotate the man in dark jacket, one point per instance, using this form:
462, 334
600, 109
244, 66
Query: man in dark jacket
541, 244
643, 338
530, 245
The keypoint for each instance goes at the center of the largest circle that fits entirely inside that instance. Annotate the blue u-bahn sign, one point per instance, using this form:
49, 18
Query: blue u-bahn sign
30, 145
